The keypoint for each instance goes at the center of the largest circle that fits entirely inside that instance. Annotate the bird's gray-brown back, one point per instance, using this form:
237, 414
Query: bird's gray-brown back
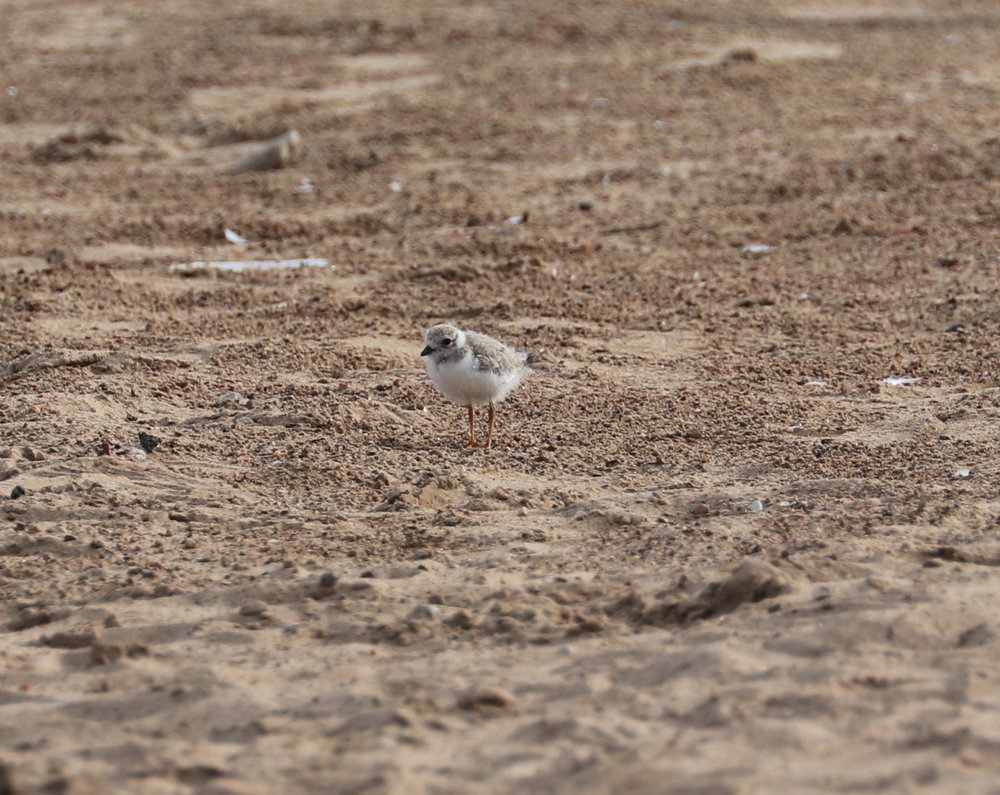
492, 355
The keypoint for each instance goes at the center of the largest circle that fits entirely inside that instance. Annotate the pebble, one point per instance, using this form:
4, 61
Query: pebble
461, 620
842, 227
28, 618
232, 397
147, 442
276, 153
136, 454
255, 609
699, 509
755, 506
962, 473
979, 635
17, 491
327, 579
69, 640
369, 587
104, 653
488, 700
424, 612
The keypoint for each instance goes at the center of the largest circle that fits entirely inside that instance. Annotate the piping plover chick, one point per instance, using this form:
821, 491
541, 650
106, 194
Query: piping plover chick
472, 369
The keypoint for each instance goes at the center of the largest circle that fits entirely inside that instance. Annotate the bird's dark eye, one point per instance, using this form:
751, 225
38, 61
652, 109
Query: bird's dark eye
445, 342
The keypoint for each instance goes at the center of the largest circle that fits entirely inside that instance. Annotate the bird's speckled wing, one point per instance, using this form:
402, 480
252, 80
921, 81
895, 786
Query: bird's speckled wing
492, 355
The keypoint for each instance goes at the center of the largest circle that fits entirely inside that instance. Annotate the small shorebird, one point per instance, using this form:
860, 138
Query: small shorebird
472, 369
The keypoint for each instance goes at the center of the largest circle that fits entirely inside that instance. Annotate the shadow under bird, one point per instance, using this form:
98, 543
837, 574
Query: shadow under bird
473, 369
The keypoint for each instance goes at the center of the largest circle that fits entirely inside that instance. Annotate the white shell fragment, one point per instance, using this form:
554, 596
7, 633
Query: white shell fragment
755, 506
756, 250
235, 238
901, 381
239, 266
962, 473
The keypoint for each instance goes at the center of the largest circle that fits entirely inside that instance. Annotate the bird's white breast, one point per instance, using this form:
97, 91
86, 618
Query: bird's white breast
462, 383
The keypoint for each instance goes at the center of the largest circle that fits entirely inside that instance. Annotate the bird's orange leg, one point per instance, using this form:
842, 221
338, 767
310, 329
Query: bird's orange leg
472, 427
489, 427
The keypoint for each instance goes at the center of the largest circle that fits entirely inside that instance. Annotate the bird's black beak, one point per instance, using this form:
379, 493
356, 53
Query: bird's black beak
427, 351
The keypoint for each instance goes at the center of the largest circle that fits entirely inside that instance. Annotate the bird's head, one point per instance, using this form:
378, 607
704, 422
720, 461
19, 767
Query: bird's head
442, 338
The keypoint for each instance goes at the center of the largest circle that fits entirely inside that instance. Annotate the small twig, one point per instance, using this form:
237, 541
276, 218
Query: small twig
618, 230
19, 368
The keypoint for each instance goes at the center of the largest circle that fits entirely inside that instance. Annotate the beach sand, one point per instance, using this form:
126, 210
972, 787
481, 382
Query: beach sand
739, 533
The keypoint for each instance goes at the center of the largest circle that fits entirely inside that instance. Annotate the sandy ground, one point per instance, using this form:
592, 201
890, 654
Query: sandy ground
722, 225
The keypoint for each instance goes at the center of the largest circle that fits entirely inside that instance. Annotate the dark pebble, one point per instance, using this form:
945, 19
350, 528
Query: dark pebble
327, 579
746, 54
367, 575
585, 206
55, 256
17, 491
147, 442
